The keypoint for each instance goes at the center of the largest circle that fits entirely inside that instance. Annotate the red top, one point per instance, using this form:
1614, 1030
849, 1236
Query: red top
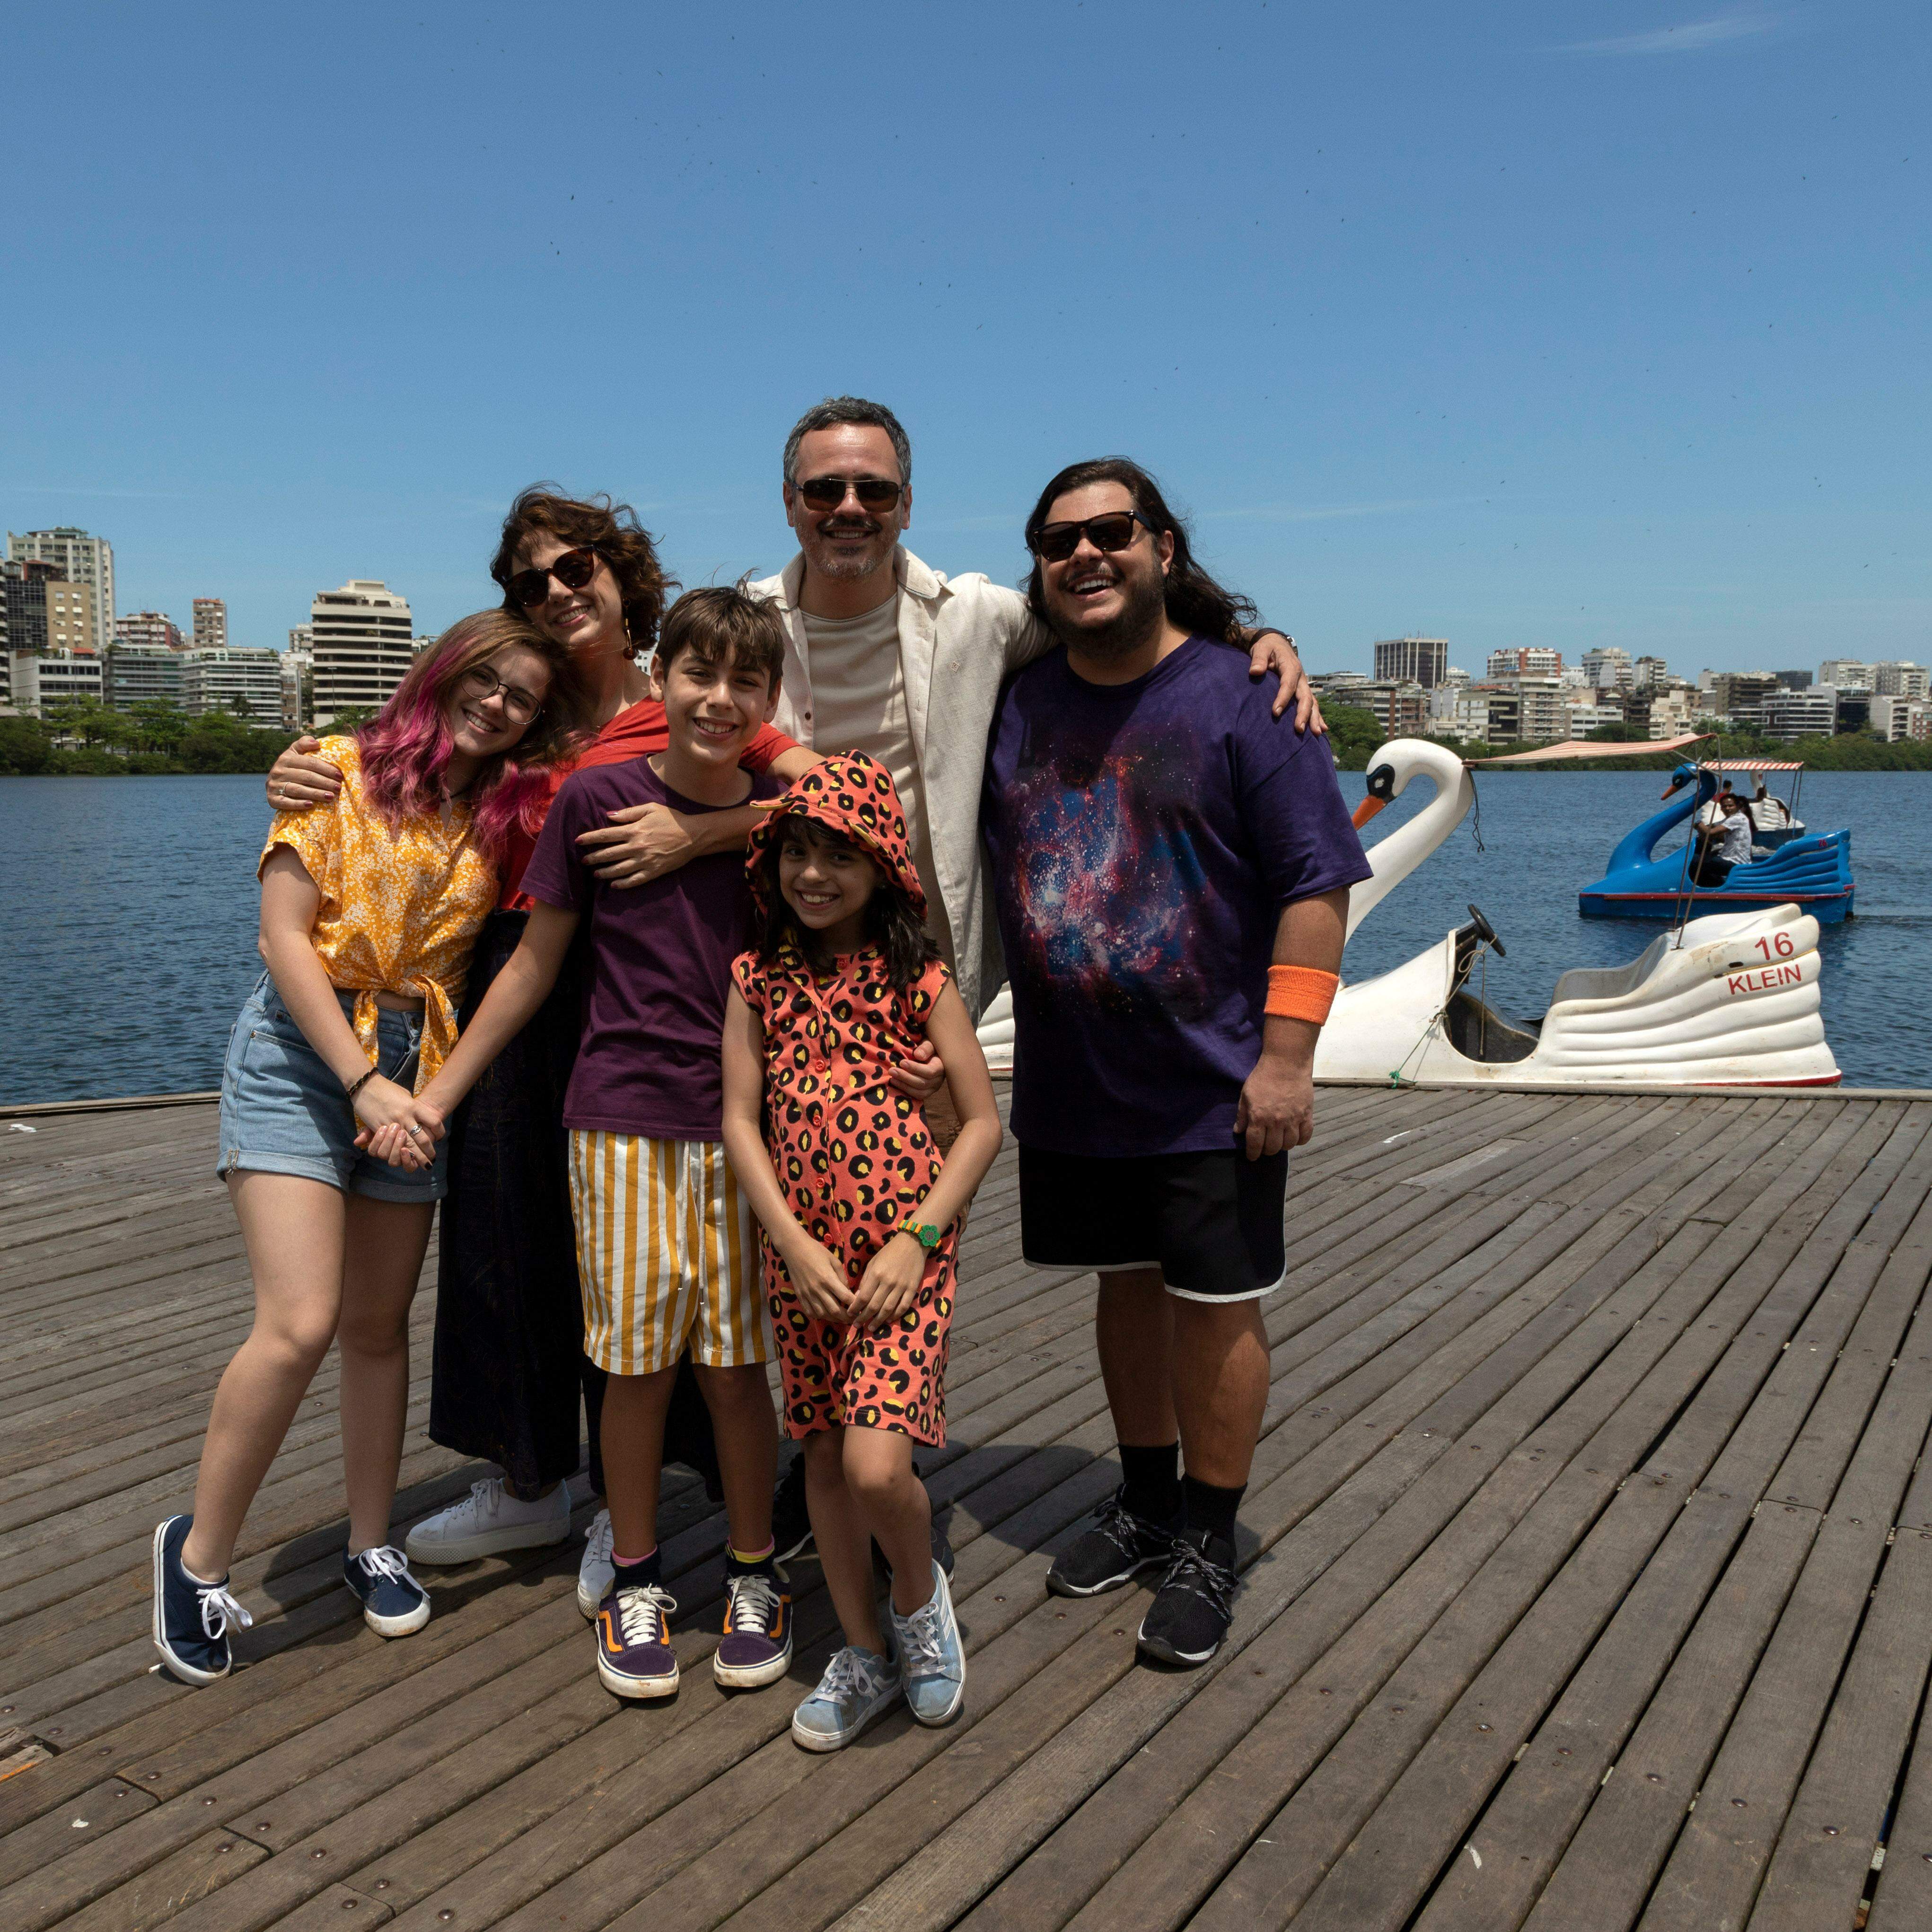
636, 732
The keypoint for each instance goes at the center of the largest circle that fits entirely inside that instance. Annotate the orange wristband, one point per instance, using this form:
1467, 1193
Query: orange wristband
1300, 993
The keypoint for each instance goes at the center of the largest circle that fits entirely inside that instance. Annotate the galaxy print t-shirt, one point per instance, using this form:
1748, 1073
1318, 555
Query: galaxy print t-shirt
1144, 838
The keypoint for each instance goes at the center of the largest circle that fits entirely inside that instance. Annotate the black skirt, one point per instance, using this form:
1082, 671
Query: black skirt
509, 1377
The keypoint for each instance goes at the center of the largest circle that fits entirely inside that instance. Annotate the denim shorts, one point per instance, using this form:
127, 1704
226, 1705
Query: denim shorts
284, 1112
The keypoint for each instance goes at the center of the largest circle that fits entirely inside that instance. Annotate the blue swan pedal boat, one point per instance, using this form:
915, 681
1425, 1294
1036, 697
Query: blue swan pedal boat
1814, 871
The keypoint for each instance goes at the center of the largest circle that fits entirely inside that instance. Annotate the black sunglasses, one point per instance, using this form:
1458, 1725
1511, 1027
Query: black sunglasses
827, 493
574, 569
1055, 543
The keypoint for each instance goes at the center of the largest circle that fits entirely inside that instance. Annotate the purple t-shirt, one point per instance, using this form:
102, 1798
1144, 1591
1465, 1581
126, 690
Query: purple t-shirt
1143, 838
660, 964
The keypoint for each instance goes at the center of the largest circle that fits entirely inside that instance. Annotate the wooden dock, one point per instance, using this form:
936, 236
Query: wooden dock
1588, 1583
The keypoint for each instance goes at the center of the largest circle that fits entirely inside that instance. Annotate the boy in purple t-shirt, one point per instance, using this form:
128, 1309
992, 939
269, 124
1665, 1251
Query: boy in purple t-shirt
667, 1249
1159, 842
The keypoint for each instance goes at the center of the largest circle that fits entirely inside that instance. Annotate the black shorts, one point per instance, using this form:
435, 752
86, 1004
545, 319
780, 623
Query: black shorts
1211, 1223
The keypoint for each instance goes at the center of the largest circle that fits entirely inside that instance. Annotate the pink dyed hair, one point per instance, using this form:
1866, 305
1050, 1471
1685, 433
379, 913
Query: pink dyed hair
406, 747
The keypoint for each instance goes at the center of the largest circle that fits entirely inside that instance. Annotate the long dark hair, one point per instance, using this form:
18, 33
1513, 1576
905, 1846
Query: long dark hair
595, 523
1194, 602
891, 924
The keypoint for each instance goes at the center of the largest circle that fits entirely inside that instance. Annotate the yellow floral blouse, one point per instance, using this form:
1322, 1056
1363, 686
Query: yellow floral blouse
399, 910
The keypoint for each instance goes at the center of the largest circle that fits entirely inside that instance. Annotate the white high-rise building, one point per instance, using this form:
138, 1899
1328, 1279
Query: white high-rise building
1845, 673
247, 682
1526, 660
82, 559
362, 646
1608, 668
1903, 679
152, 630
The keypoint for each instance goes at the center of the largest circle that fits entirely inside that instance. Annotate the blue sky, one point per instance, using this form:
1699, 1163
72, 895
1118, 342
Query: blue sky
1516, 323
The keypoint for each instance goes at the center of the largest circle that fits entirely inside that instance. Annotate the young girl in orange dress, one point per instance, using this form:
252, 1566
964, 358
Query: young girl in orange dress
369, 910
861, 1216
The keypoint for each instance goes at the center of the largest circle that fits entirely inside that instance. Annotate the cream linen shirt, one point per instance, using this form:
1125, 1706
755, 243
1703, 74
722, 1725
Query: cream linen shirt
959, 639
858, 687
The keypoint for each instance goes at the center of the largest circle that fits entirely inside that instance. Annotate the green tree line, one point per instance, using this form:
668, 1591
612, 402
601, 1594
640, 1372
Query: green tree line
1356, 735
81, 737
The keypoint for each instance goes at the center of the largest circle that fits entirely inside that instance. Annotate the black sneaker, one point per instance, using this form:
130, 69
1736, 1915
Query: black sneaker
191, 1619
791, 1521
1191, 1610
1119, 1545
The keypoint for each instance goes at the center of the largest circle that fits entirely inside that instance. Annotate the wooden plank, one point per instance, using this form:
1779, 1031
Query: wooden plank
1824, 1852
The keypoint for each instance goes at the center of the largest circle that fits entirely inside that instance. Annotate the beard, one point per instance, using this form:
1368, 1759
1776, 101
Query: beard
1143, 604
849, 567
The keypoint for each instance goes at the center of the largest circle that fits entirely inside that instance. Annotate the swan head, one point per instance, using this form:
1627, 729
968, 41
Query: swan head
1401, 759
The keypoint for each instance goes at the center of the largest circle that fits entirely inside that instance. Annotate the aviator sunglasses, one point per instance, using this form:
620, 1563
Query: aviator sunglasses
1055, 543
827, 493
574, 569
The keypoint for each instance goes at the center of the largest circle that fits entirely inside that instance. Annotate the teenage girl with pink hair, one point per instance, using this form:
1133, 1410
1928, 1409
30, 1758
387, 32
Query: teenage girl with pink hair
369, 912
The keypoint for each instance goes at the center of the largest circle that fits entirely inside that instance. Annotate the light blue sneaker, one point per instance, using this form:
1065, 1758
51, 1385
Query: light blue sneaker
932, 1658
858, 1686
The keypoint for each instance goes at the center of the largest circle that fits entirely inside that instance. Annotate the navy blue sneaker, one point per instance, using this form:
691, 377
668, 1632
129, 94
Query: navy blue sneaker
191, 1618
393, 1603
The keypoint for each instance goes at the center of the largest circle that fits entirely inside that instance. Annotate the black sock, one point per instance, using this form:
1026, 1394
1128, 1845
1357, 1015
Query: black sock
1152, 1478
635, 1575
1211, 1509
736, 1565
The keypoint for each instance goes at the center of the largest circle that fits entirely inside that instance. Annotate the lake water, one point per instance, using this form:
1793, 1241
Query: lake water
128, 915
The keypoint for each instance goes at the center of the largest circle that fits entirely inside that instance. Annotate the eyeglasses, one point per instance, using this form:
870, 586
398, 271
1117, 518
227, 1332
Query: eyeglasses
479, 684
827, 493
574, 569
1055, 543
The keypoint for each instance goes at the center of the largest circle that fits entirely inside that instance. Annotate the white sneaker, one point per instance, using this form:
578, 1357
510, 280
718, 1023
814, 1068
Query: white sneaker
596, 1574
488, 1520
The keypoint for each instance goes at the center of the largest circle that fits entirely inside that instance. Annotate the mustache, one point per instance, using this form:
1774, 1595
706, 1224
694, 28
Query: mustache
846, 526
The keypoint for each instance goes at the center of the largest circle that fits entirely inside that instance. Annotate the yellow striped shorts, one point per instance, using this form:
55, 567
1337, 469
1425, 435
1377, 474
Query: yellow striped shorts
667, 1253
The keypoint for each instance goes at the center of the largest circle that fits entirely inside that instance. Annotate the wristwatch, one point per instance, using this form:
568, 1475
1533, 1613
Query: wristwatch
927, 1237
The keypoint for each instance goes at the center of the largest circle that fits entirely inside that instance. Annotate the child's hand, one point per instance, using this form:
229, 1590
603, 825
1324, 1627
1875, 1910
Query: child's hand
890, 1284
921, 1074
819, 1280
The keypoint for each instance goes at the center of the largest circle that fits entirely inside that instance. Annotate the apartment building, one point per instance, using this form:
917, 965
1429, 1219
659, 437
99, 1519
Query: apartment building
211, 624
152, 630
247, 682
79, 558
1422, 661
362, 646
134, 673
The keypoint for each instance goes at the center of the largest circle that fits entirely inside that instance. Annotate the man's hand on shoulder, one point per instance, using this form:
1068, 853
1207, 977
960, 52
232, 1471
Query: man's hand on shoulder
298, 779
1274, 651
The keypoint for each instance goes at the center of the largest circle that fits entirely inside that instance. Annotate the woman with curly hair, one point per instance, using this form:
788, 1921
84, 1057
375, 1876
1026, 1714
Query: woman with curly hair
509, 1372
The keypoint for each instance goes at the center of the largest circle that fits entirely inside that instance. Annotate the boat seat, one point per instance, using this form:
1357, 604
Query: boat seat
1477, 1032
1609, 982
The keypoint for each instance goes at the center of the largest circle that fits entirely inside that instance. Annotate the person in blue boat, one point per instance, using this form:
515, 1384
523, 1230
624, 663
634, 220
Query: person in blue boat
1171, 867
1726, 836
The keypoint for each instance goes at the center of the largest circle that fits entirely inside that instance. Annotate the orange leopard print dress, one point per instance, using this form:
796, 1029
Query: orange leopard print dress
851, 1152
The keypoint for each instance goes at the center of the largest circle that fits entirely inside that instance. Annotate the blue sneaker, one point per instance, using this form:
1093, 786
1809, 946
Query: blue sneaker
932, 1657
393, 1603
858, 1686
191, 1618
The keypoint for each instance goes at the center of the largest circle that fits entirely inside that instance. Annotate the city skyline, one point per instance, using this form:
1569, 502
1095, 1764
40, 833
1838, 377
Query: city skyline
1460, 321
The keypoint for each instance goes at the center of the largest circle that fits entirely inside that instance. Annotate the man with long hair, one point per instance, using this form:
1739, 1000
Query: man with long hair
1172, 870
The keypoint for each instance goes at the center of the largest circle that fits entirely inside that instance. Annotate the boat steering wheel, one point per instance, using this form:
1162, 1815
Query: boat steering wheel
1485, 932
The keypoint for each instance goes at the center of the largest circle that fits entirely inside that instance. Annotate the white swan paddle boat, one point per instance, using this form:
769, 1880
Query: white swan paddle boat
1730, 1000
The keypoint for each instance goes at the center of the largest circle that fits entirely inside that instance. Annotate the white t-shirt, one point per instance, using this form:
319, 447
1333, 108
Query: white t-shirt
858, 704
1735, 849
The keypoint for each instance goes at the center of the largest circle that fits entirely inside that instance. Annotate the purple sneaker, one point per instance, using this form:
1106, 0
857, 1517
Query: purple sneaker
634, 1657
756, 1647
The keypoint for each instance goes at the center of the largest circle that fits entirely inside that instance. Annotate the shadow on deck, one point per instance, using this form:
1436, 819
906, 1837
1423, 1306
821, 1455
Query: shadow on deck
1590, 1582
